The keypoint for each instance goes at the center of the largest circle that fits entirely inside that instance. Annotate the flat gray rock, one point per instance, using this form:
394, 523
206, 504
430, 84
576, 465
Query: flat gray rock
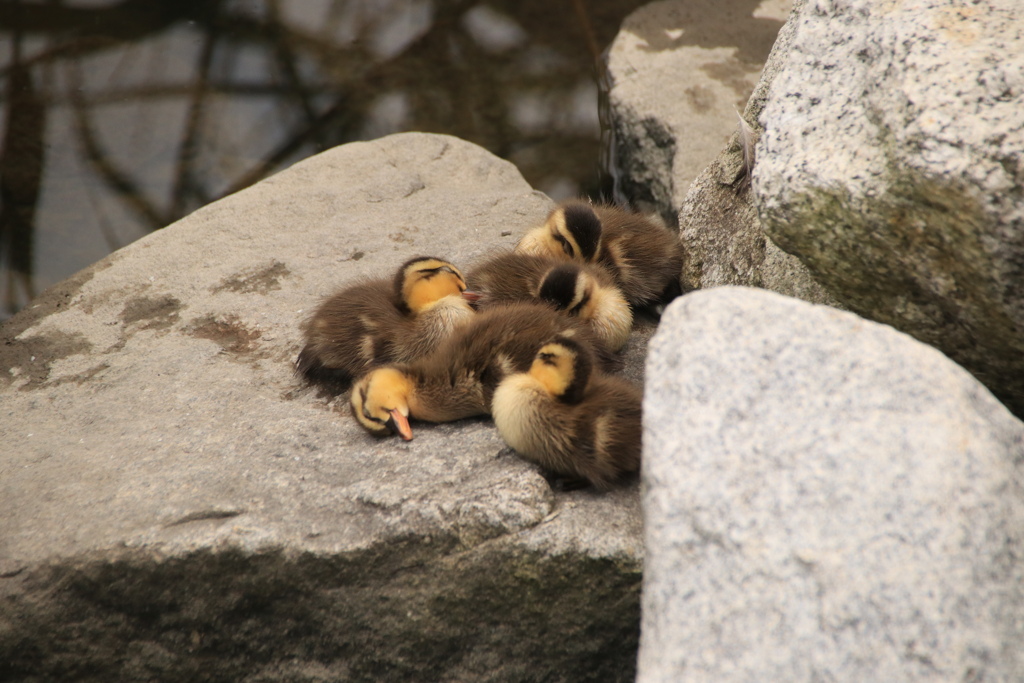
177, 506
679, 72
892, 164
825, 499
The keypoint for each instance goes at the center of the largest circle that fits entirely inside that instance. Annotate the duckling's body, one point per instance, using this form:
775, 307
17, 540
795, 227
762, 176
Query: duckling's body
508, 276
643, 255
581, 289
569, 418
458, 380
381, 321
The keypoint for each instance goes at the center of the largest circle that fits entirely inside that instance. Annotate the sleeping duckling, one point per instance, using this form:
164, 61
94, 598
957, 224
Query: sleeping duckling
458, 380
568, 418
378, 321
644, 256
582, 289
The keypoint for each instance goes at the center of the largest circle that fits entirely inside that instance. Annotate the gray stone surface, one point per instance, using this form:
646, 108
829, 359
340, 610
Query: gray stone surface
722, 236
825, 499
679, 70
892, 165
178, 507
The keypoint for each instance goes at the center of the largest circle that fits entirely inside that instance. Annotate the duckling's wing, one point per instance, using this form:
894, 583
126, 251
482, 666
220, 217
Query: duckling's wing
351, 331
644, 255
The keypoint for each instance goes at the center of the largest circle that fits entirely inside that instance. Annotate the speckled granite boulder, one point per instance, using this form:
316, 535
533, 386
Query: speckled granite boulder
679, 70
178, 507
892, 166
825, 499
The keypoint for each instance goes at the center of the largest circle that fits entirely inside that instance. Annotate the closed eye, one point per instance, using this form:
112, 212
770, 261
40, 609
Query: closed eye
566, 247
578, 307
428, 273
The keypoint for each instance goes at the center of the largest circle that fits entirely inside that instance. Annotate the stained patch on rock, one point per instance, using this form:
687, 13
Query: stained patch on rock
111, 295
256, 281
81, 377
31, 357
228, 331
732, 75
706, 25
156, 313
402, 236
53, 300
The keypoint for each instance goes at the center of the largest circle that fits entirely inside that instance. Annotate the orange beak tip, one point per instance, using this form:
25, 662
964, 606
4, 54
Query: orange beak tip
400, 423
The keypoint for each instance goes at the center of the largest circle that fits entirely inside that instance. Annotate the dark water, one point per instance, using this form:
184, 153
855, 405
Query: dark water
119, 117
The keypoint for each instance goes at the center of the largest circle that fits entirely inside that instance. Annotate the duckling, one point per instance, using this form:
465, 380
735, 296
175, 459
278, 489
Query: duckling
641, 252
569, 418
378, 321
458, 380
582, 289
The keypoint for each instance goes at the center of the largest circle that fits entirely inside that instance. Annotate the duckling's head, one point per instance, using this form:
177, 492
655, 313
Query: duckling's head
565, 287
571, 232
424, 281
380, 401
570, 288
562, 366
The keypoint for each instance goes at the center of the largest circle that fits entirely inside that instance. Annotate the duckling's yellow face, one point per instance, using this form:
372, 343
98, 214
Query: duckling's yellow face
572, 232
380, 401
428, 281
554, 368
553, 239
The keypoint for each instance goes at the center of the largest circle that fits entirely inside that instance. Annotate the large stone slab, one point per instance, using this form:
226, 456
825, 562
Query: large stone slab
178, 507
892, 166
825, 499
679, 71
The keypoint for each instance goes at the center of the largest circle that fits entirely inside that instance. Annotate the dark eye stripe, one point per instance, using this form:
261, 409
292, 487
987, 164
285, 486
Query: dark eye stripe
366, 413
428, 273
579, 307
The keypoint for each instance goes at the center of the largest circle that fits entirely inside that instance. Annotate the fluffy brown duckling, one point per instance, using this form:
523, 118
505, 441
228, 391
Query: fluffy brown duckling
581, 289
458, 380
380, 321
569, 418
643, 255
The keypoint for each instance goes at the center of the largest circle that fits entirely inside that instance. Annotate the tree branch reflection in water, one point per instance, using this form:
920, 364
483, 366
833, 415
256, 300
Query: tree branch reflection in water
120, 117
